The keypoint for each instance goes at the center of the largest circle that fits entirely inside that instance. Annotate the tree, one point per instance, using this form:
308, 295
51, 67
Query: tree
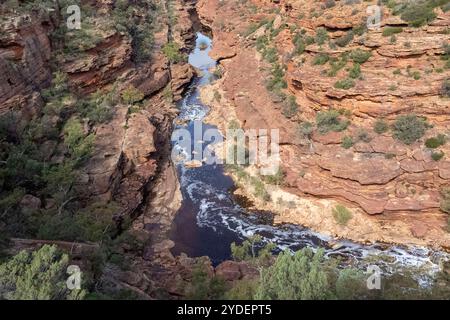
298, 276
40, 275
248, 250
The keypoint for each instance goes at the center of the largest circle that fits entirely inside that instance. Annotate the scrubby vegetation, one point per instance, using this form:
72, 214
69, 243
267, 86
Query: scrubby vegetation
445, 90
347, 142
437, 155
419, 13
172, 51
308, 274
409, 128
321, 59
40, 275
345, 39
390, 31
345, 84
341, 214
330, 121
290, 107
435, 142
380, 126
360, 56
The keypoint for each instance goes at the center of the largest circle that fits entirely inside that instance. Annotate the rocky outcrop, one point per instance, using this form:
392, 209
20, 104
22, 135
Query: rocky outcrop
25, 51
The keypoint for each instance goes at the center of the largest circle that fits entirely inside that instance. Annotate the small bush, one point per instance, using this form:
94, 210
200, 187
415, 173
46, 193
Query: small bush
344, 84
409, 128
380, 126
445, 89
321, 59
355, 71
321, 35
437, 155
330, 121
275, 179
341, 214
347, 142
172, 51
363, 135
306, 129
329, 4
131, 95
290, 107
344, 40
360, 56
336, 65
389, 31
299, 44
435, 142
360, 29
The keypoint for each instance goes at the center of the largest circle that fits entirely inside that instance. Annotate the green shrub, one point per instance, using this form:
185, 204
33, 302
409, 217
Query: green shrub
299, 44
392, 87
321, 35
363, 135
344, 84
276, 82
79, 144
389, 31
131, 95
242, 290
409, 128
435, 142
306, 129
347, 142
253, 250
360, 29
301, 276
321, 59
345, 39
172, 51
355, 71
419, 13
330, 121
351, 284
360, 56
94, 223
445, 89
203, 286
336, 65
290, 107
437, 155
329, 4
380, 126
276, 179
341, 214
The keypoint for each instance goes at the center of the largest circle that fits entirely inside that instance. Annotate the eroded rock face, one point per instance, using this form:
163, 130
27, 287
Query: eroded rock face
378, 173
25, 51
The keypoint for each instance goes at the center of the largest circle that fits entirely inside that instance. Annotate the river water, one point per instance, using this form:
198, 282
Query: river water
210, 219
